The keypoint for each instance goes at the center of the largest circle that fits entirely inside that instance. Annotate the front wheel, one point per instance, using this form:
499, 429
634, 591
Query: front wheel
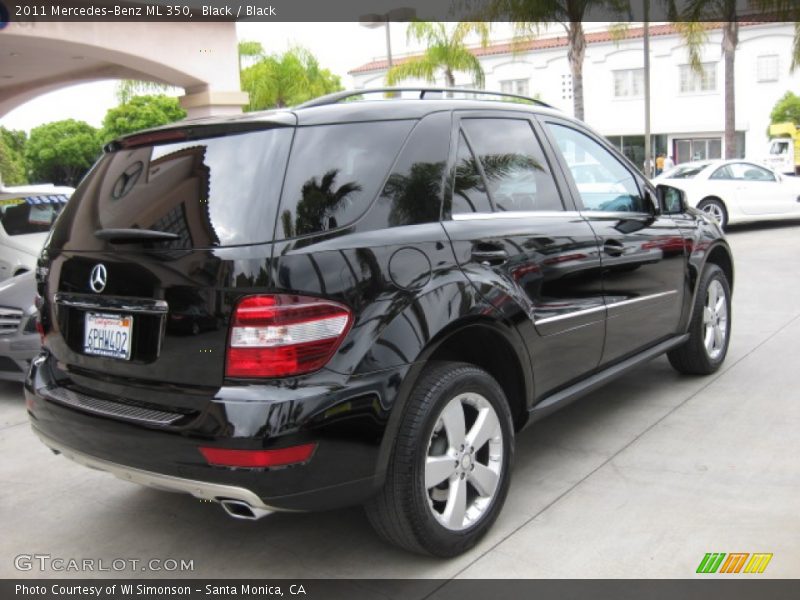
710, 328
451, 466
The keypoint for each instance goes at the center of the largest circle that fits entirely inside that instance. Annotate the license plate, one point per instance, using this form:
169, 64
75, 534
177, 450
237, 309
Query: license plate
108, 335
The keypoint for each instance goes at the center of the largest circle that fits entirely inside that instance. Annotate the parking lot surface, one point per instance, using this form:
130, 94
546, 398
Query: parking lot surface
640, 479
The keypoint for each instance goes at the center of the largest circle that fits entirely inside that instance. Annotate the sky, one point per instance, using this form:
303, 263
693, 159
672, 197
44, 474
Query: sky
338, 46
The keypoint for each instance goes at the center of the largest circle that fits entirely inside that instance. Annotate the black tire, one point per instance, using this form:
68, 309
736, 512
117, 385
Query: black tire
715, 208
404, 512
694, 357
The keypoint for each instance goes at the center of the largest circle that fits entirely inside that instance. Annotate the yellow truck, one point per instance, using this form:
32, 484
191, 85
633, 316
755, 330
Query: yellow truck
784, 148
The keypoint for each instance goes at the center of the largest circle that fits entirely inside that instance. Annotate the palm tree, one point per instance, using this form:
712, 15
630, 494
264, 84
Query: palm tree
695, 36
529, 15
445, 52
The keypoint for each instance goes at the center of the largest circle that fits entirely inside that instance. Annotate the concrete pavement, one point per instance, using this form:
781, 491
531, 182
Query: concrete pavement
640, 479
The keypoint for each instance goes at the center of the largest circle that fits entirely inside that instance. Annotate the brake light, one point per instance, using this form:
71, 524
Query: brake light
282, 335
225, 457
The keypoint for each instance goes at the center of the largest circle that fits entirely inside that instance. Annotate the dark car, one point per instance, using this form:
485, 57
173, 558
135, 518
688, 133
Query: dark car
401, 286
19, 338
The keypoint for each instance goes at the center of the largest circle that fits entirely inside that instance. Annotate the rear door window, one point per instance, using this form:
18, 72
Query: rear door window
469, 189
516, 172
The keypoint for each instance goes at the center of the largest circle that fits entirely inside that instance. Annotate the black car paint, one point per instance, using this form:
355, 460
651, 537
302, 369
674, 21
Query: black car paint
414, 283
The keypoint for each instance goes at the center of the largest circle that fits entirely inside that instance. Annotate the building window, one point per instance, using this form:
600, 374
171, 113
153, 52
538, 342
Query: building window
704, 81
628, 83
566, 86
767, 67
514, 86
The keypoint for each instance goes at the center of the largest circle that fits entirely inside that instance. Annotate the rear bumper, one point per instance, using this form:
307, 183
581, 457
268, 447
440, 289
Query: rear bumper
347, 422
199, 489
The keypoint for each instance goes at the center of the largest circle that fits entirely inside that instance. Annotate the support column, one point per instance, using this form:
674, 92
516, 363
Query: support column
208, 103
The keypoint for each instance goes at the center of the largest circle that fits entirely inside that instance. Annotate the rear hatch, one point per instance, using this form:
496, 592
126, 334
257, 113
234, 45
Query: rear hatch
144, 258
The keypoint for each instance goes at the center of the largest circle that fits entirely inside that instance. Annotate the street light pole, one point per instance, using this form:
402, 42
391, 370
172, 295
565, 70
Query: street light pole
372, 21
389, 43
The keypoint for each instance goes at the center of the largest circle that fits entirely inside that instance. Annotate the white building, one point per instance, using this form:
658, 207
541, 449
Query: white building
687, 109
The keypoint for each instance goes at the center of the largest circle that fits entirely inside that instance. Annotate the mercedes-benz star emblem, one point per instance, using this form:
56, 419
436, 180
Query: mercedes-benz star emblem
98, 278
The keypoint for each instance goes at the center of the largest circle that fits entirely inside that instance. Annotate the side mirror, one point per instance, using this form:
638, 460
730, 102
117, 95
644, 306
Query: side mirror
671, 200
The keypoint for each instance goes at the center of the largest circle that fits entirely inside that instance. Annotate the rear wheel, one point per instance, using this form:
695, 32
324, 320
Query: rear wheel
709, 331
716, 209
450, 469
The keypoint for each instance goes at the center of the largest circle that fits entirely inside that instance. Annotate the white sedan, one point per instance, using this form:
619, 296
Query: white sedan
736, 191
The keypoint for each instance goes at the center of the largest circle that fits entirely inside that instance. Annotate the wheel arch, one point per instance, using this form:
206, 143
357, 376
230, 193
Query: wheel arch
718, 254
484, 341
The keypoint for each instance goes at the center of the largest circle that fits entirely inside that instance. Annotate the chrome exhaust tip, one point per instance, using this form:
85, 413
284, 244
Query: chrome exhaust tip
239, 509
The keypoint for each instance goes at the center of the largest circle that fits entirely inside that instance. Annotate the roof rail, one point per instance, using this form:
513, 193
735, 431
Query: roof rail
337, 97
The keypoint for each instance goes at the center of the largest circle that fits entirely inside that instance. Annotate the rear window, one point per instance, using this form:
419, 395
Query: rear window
220, 191
226, 191
30, 214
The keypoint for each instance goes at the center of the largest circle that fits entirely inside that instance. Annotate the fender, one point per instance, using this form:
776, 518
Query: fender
704, 248
421, 328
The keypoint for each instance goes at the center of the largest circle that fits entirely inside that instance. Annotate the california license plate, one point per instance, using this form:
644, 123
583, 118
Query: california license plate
108, 335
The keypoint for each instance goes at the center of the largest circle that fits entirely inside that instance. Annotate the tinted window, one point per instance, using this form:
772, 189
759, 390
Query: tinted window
335, 172
602, 180
210, 192
469, 190
412, 193
517, 174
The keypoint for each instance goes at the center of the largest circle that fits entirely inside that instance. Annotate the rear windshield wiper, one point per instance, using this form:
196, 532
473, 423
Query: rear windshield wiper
135, 235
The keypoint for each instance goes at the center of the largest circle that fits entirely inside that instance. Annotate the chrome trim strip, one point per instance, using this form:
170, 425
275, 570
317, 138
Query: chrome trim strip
515, 214
120, 303
641, 299
109, 408
577, 313
199, 489
587, 311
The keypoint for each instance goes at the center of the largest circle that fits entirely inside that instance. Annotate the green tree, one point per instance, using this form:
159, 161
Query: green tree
250, 51
141, 112
787, 109
127, 89
13, 169
62, 151
445, 52
287, 79
530, 15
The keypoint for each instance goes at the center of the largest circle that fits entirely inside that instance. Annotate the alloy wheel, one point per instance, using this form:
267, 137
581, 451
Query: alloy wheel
715, 320
464, 461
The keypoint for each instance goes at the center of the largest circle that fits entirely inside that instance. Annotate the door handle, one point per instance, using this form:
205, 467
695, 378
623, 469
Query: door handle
489, 257
613, 247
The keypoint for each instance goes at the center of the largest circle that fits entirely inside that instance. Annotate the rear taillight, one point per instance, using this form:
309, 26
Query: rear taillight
281, 335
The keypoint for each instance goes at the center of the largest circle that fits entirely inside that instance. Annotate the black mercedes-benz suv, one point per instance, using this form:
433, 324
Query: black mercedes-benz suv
360, 301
